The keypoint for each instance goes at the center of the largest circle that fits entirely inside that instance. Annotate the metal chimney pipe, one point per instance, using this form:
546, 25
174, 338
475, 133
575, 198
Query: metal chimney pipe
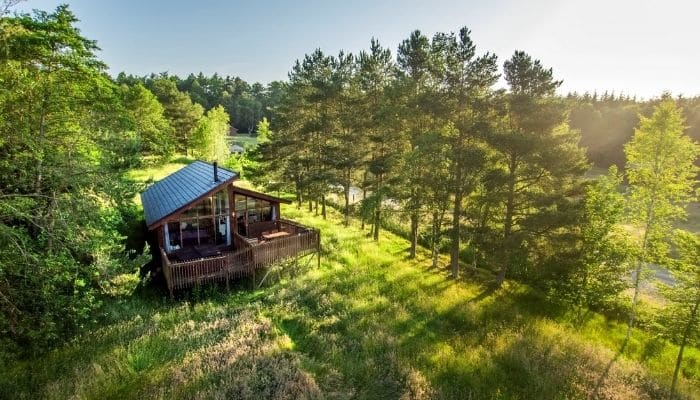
216, 172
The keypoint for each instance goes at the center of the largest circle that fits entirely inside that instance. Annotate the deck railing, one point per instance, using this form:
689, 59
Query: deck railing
242, 262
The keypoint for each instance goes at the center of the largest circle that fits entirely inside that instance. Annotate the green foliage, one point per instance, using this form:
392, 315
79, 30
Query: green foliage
151, 129
602, 262
310, 151
61, 194
684, 295
181, 112
209, 138
263, 130
661, 173
246, 103
539, 166
465, 101
680, 320
379, 137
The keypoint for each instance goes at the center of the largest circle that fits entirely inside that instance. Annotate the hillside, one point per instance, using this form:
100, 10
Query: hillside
368, 324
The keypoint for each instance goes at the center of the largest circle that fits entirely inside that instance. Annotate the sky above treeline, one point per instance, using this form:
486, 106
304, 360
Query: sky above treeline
640, 47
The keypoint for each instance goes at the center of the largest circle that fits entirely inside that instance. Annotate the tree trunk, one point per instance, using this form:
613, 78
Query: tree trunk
684, 341
638, 272
508, 222
456, 233
298, 193
323, 206
50, 224
414, 235
435, 237
39, 178
377, 211
376, 223
346, 192
311, 205
364, 196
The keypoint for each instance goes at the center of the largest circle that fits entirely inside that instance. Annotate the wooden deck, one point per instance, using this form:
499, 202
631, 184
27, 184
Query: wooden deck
244, 260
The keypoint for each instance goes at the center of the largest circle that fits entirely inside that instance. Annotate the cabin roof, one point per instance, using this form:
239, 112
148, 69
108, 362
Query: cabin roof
181, 188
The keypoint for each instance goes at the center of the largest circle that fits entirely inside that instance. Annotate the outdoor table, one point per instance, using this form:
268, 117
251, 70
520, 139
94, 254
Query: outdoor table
276, 235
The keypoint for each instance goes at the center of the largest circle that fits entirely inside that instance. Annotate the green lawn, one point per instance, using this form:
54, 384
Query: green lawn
161, 171
368, 324
245, 140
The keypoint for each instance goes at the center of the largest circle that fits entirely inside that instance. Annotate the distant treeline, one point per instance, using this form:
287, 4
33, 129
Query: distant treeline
245, 103
607, 122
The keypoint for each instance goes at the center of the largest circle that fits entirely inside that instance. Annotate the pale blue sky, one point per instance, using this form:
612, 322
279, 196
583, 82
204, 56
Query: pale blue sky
640, 47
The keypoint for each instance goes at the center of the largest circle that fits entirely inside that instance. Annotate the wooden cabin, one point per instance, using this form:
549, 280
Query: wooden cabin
209, 229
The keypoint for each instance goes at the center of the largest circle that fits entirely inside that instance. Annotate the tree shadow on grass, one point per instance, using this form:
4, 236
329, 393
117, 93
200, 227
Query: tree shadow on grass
485, 293
606, 372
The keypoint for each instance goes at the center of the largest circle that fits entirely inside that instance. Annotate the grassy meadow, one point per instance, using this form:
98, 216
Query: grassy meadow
369, 323
244, 140
159, 172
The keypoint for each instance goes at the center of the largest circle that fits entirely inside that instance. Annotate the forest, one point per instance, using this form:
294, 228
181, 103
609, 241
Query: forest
541, 216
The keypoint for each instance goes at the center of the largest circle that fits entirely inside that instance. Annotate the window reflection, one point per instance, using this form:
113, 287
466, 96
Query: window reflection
251, 210
205, 223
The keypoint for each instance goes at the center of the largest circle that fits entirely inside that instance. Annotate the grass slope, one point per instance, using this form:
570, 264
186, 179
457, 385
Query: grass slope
159, 172
244, 140
368, 324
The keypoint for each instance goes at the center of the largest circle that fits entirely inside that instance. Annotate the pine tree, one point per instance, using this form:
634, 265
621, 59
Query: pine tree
182, 113
375, 74
153, 132
539, 157
414, 87
465, 83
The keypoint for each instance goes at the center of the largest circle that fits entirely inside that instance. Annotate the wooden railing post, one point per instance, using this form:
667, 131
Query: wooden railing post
245, 259
167, 271
318, 248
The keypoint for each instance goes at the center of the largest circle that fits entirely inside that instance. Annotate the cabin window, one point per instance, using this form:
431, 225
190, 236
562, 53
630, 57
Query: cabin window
221, 203
204, 223
240, 202
252, 203
251, 210
173, 231
265, 210
240, 222
204, 207
222, 230
190, 232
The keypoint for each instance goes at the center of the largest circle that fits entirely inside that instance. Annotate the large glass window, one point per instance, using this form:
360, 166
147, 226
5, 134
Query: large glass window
190, 232
221, 203
251, 210
206, 222
174, 235
240, 222
222, 230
